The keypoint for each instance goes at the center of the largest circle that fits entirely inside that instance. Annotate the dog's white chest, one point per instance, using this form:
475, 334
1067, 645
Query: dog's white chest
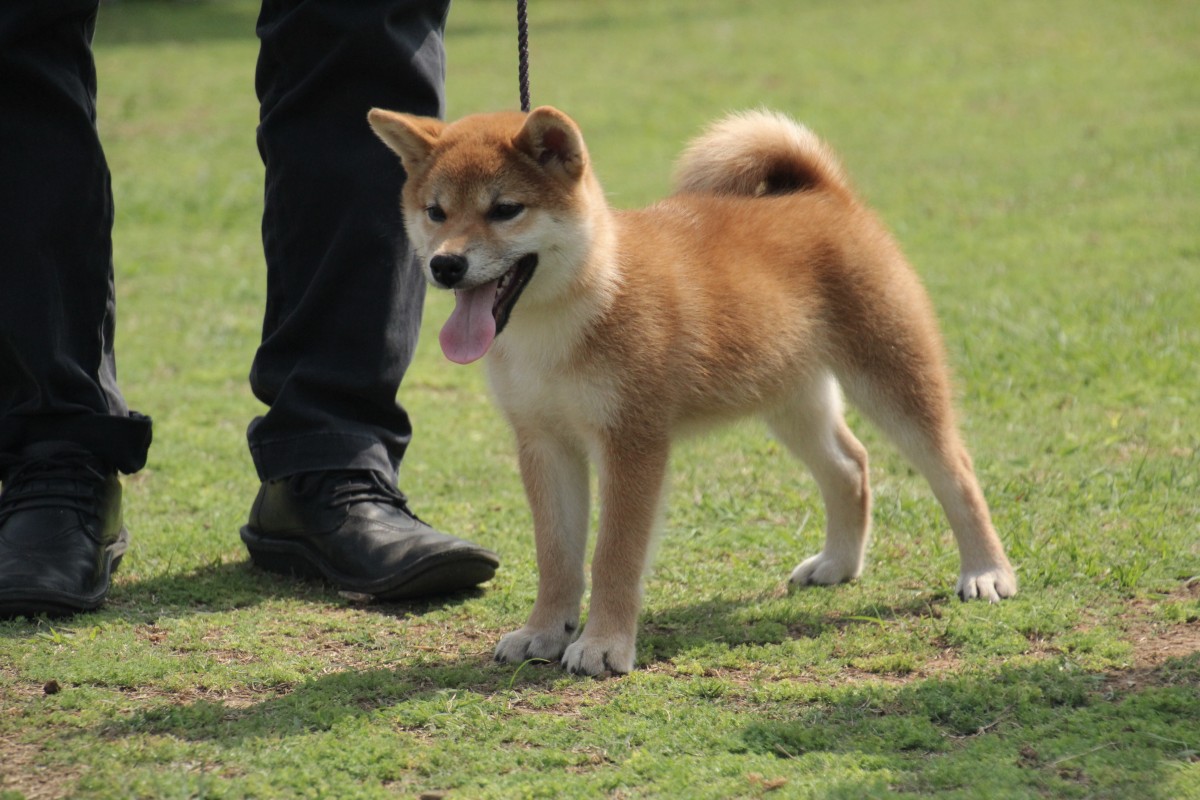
570, 399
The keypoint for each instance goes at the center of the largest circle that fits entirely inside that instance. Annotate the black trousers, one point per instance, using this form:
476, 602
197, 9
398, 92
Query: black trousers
343, 296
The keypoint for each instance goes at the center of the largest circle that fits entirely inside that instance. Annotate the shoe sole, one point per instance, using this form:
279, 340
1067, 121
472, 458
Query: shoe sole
32, 602
444, 573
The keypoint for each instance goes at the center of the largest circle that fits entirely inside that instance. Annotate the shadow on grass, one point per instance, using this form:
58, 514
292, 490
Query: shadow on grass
319, 704
228, 586
1023, 731
213, 587
416, 693
754, 621
221, 587
1043, 729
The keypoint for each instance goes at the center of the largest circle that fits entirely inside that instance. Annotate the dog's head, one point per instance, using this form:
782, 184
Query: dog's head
486, 199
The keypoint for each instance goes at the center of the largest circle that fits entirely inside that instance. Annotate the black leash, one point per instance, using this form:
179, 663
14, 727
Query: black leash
523, 54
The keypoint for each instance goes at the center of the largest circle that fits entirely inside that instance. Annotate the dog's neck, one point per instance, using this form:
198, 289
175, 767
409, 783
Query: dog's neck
544, 332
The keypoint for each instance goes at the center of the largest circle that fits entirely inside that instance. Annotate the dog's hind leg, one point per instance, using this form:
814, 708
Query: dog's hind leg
912, 406
555, 474
812, 427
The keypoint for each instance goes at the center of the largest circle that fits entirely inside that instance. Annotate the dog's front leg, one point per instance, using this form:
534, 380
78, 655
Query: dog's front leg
555, 474
632, 473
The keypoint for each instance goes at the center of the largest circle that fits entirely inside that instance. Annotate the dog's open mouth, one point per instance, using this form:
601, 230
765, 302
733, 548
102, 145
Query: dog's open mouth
482, 312
509, 289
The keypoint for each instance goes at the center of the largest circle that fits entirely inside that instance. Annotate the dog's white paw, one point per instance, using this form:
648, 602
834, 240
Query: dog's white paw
824, 570
990, 583
599, 656
526, 643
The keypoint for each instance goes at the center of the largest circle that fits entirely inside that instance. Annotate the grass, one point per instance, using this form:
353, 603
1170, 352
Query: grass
1038, 161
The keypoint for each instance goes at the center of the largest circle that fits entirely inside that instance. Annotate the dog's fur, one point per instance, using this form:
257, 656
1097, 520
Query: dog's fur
761, 286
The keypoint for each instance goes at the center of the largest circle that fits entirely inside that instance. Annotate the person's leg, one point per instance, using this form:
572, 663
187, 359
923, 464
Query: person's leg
343, 308
343, 300
57, 371
65, 429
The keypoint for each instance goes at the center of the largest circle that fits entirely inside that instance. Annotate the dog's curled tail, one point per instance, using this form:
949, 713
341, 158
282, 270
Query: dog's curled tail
754, 153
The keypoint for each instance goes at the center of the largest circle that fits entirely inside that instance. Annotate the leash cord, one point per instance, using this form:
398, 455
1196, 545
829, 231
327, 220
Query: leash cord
523, 54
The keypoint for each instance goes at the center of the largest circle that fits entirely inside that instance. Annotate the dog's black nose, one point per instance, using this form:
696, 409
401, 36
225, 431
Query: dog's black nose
448, 270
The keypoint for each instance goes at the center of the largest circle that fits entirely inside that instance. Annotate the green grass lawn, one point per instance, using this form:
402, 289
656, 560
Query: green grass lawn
1040, 162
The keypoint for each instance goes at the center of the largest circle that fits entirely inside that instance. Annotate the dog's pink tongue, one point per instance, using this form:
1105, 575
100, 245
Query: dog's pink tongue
469, 332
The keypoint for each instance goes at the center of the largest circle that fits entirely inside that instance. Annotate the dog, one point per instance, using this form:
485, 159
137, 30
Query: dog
761, 286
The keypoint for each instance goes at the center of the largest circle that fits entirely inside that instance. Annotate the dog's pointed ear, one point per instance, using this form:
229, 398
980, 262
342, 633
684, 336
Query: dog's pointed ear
554, 141
411, 137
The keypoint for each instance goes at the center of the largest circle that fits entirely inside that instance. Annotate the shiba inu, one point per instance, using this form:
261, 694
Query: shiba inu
760, 286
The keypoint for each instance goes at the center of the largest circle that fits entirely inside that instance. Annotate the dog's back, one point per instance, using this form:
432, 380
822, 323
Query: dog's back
760, 270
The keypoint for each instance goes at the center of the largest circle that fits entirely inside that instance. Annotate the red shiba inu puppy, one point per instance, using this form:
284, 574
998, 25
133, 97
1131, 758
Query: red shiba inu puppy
761, 286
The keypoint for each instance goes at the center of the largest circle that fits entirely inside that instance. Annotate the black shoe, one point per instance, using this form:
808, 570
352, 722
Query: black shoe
355, 530
61, 536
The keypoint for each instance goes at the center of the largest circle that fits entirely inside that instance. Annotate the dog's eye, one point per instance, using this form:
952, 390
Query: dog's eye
436, 213
502, 212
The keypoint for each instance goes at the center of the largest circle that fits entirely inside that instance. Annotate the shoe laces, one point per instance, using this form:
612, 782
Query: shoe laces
365, 486
71, 480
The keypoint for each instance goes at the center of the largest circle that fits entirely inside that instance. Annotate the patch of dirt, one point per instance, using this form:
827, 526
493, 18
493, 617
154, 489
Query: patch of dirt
567, 702
24, 773
1154, 644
